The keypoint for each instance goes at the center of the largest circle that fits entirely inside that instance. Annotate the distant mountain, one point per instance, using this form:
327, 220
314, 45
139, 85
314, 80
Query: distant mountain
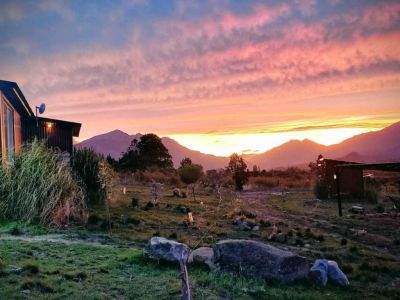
116, 142
382, 145
178, 152
378, 146
291, 153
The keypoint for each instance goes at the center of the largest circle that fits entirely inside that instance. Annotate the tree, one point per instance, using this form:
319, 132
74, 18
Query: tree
148, 152
111, 161
190, 174
321, 188
238, 167
256, 170
185, 161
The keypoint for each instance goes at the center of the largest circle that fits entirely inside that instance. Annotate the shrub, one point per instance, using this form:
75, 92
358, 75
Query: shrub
371, 194
95, 174
380, 208
135, 202
321, 190
38, 185
2, 266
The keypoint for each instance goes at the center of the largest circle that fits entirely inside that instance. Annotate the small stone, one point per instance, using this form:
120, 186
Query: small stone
336, 275
357, 209
244, 226
280, 238
237, 221
256, 228
319, 272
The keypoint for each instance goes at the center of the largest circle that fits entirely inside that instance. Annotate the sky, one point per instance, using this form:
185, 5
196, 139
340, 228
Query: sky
218, 76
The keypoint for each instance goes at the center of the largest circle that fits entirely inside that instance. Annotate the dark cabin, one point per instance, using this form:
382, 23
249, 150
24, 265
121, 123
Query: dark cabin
19, 124
351, 180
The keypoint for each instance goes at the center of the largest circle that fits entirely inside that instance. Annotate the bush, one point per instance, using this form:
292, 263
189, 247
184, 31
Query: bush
135, 202
321, 190
371, 194
95, 174
380, 208
38, 185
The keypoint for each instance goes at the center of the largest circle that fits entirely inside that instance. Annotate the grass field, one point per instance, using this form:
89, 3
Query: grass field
92, 263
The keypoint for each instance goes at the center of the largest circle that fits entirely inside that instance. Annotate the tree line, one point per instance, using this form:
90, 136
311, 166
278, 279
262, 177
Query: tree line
150, 152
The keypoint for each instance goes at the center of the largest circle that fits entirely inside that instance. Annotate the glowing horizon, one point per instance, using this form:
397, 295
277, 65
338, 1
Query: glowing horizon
225, 145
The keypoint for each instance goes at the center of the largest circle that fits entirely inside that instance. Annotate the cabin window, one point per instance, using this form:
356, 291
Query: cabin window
8, 129
9, 122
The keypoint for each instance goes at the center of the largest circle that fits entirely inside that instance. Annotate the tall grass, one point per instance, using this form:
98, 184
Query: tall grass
37, 185
95, 174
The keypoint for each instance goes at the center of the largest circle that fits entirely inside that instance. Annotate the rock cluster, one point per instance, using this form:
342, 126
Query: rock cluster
250, 258
323, 269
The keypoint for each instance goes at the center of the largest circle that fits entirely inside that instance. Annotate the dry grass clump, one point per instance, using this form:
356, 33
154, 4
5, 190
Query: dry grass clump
37, 185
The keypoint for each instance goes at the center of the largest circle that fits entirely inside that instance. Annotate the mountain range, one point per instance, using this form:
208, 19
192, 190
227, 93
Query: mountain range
377, 146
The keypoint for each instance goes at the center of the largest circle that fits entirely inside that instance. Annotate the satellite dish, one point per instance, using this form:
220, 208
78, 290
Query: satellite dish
42, 108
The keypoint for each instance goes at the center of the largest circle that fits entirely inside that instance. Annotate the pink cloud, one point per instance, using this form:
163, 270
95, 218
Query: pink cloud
209, 71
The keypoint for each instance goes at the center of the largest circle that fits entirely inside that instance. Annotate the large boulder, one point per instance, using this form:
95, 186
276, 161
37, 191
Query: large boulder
203, 255
164, 249
255, 259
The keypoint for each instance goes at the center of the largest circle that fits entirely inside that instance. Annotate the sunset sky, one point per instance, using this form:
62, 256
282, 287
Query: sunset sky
218, 76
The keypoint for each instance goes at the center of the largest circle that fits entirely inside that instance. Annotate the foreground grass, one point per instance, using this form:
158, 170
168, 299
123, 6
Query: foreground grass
37, 270
108, 269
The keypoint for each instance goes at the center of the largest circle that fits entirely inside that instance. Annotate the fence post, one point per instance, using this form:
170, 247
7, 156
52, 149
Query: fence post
339, 198
185, 287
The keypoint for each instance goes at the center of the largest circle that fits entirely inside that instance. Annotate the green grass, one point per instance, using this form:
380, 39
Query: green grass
36, 270
80, 271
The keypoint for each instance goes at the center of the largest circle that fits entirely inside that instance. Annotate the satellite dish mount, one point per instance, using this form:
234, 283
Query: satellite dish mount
40, 109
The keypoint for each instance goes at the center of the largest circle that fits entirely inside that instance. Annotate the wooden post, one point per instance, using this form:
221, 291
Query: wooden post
185, 287
339, 199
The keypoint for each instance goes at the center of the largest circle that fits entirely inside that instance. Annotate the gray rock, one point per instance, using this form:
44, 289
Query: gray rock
357, 209
162, 248
255, 259
280, 237
237, 221
203, 255
244, 226
319, 272
256, 228
336, 275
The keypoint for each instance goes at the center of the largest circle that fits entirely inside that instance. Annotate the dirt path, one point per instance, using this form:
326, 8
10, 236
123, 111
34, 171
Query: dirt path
67, 239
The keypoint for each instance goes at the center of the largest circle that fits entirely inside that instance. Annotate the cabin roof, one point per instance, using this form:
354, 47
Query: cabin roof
15, 96
76, 127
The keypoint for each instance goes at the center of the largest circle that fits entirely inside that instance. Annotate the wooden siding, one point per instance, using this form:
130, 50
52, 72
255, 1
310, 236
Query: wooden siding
56, 135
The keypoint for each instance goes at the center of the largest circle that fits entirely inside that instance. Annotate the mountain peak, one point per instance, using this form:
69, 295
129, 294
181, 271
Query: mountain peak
116, 132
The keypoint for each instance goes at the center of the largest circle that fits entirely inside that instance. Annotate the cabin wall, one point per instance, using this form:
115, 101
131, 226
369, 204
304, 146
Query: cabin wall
351, 180
56, 135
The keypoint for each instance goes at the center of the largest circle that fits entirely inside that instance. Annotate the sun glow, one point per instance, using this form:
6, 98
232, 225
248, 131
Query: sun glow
226, 144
